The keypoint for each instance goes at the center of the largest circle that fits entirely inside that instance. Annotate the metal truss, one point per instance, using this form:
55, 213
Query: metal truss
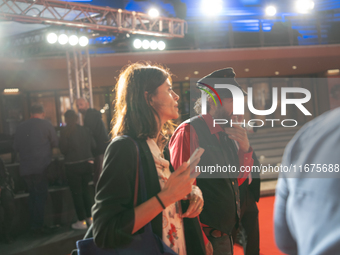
89, 17
33, 43
75, 16
79, 75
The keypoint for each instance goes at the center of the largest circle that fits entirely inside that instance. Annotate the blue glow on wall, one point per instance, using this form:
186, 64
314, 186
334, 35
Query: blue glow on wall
250, 2
245, 16
77, 0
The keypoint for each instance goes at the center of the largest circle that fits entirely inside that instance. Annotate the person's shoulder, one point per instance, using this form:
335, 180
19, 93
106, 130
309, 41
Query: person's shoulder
21, 125
323, 125
123, 144
45, 123
186, 126
92, 116
93, 112
317, 137
84, 129
328, 121
32, 122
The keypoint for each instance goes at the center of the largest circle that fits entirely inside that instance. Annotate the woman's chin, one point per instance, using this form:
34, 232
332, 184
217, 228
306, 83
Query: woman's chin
174, 117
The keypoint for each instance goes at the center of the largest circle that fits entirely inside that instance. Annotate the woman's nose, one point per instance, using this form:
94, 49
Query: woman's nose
175, 96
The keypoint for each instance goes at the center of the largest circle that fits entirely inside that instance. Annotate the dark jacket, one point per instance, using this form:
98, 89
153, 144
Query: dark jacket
113, 212
220, 190
93, 121
34, 140
255, 186
76, 144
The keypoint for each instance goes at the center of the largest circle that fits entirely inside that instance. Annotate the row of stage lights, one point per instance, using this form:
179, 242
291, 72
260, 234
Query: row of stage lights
214, 7
146, 44
302, 6
63, 39
83, 41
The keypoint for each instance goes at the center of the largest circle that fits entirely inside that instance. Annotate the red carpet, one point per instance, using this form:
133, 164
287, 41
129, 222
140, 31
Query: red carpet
267, 243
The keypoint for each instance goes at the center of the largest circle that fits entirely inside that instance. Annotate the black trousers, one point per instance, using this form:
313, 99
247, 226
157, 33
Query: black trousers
78, 177
37, 185
250, 221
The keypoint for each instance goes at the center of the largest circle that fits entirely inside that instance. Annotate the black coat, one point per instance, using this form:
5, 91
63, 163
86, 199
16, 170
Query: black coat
113, 212
93, 121
220, 190
76, 144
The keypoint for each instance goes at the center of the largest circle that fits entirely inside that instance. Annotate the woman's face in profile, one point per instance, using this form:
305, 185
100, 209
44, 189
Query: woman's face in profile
165, 102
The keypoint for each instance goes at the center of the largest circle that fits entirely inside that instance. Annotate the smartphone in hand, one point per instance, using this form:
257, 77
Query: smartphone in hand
194, 156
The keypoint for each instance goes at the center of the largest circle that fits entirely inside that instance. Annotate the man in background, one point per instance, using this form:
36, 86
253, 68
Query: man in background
93, 121
224, 145
34, 140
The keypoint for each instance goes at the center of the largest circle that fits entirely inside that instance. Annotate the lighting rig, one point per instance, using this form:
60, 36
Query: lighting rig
76, 24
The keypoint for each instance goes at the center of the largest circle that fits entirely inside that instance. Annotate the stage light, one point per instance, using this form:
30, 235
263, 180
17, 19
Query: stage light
83, 41
137, 43
161, 45
211, 7
73, 40
146, 44
304, 6
63, 39
270, 11
333, 71
52, 38
153, 45
153, 13
13, 90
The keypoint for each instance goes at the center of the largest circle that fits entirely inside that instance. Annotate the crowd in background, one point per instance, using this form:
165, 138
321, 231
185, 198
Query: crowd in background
143, 176
82, 147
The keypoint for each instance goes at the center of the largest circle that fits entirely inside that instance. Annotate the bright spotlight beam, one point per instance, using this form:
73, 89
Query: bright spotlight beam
73, 40
153, 45
63, 39
137, 43
146, 44
52, 38
161, 45
270, 11
83, 41
211, 7
153, 13
304, 6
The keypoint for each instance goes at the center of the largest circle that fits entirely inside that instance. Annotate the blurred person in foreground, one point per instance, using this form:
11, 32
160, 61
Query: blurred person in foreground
224, 145
145, 103
34, 140
307, 204
76, 143
93, 121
